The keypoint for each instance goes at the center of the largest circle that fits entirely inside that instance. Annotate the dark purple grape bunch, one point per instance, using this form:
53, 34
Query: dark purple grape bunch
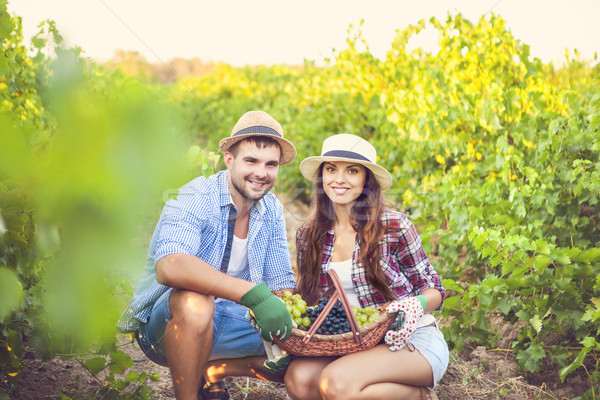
335, 322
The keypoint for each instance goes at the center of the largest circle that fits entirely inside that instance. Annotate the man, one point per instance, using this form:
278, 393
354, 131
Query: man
217, 251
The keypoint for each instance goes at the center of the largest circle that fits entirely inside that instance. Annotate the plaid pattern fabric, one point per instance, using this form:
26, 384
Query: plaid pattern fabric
196, 223
403, 260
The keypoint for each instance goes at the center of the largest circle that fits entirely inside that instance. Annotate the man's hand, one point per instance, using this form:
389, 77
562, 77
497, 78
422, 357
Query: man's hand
278, 364
271, 314
277, 360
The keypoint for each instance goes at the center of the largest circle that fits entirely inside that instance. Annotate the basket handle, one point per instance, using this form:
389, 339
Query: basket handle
338, 293
346, 304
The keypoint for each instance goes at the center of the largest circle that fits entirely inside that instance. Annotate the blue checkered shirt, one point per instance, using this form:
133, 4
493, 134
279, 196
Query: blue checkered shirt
196, 223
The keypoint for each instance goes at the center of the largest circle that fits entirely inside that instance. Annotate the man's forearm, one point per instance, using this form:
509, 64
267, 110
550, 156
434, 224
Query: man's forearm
184, 271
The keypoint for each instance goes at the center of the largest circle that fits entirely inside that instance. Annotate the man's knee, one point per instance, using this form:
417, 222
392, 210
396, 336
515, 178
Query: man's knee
188, 307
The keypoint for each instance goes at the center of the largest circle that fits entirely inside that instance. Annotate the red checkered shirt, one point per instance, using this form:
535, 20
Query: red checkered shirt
403, 260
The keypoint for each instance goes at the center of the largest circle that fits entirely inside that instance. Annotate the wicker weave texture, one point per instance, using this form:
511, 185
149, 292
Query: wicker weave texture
337, 345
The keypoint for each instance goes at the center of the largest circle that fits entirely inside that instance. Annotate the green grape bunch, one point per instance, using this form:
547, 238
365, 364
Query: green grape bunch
365, 315
297, 307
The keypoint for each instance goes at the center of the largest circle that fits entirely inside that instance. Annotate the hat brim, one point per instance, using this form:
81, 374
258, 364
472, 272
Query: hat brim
309, 167
288, 151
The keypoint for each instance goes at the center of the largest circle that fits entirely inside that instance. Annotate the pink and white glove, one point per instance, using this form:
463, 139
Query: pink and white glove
413, 311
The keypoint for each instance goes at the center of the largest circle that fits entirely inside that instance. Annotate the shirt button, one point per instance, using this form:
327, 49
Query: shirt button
229, 244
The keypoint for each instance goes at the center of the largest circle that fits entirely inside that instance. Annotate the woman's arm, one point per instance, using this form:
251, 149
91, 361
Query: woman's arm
419, 270
433, 297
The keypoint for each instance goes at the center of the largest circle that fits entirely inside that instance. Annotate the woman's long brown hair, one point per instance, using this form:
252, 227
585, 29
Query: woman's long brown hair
365, 217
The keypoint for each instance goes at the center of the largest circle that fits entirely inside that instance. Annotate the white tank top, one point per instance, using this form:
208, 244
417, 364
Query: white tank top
238, 260
344, 271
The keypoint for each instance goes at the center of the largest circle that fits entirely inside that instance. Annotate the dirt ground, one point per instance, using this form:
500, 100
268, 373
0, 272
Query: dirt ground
477, 373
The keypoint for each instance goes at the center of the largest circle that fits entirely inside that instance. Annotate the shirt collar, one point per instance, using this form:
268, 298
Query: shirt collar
224, 193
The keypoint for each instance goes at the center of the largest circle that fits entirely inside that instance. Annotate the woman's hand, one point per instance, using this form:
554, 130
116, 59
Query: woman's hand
410, 311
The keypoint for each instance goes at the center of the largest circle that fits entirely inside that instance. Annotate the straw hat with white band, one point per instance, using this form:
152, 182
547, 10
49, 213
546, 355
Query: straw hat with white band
259, 123
349, 148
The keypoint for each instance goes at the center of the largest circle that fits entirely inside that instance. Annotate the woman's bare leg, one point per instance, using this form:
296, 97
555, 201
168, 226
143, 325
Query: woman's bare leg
377, 374
302, 377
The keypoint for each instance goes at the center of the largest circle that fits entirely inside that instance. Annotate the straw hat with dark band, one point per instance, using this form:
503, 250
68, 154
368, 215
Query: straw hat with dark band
259, 123
349, 148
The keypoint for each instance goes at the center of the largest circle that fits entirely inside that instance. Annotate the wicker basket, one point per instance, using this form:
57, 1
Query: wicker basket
310, 344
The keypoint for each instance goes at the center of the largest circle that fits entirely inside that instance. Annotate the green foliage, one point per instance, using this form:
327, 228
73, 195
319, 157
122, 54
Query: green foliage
131, 386
11, 294
494, 155
84, 159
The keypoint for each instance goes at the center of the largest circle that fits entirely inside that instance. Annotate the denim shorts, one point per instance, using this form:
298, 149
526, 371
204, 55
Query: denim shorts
429, 340
233, 337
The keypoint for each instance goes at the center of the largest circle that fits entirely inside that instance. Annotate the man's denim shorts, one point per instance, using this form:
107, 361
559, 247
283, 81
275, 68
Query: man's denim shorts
233, 337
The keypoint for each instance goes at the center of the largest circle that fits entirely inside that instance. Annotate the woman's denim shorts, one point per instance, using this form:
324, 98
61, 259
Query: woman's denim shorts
429, 340
233, 337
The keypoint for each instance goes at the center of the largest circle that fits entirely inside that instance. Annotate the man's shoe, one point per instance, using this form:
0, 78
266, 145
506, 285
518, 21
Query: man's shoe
213, 391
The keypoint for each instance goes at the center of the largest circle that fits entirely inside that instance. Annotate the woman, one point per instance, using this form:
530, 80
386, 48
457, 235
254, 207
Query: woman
378, 256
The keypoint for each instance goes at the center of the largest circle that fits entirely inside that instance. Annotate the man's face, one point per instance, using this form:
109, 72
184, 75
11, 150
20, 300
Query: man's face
252, 170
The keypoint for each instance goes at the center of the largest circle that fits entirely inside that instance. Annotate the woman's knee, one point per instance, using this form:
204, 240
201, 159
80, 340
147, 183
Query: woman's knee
336, 384
299, 381
188, 307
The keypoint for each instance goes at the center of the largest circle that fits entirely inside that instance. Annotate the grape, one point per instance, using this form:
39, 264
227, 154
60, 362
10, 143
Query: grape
301, 306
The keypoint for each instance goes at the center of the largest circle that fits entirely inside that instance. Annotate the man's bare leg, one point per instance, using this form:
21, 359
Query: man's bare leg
252, 366
188, 340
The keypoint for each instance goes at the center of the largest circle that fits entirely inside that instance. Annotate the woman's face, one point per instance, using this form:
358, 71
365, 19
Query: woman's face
343, 181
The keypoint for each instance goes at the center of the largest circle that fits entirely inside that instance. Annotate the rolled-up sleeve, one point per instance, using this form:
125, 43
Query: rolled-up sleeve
180, 233
412, 257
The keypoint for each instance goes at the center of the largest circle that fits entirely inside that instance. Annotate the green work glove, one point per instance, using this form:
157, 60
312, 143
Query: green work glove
278, 364
270, 312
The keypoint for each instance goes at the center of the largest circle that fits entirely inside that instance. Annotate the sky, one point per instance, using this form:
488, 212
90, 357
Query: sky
284, 32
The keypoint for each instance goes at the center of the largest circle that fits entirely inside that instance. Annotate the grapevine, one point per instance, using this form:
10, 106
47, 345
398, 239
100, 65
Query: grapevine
494, 155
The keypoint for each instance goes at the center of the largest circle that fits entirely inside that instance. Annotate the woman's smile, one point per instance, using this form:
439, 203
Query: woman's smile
343, 181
